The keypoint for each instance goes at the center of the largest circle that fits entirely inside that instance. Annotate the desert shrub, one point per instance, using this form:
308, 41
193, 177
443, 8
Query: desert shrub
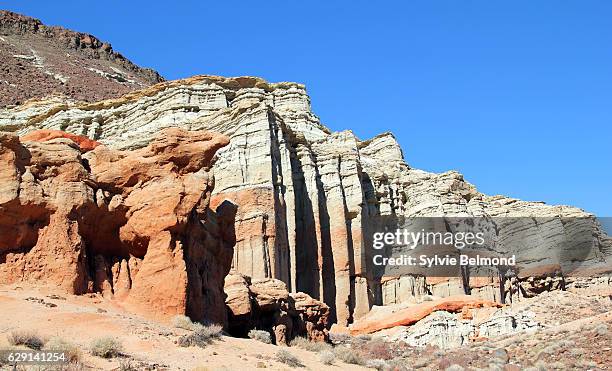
377, 364
289, 359
127, 365
378, 348
67, 367
399, 364
601, 329
29, 339
73, 352
184, 322
106, 347
327, 357
201, 337
364, 337
260, 335
311, 346
348, 355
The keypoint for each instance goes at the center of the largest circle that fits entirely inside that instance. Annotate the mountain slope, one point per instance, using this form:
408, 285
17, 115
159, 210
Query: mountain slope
37, 61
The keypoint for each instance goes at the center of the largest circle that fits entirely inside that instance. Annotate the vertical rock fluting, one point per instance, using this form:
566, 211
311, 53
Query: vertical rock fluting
132, 225
306, 200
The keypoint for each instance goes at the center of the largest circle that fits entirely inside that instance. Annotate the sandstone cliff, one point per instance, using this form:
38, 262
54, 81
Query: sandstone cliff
307, 199
134, 226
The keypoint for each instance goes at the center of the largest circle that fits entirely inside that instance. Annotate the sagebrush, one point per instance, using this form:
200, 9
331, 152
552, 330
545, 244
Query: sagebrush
106, 347
289, 359
73, 352
29, 339
260, 335
201, 337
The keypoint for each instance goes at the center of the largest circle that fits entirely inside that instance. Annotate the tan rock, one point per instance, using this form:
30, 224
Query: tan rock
266, 304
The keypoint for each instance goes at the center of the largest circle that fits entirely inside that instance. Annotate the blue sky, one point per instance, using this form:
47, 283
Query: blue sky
515, 95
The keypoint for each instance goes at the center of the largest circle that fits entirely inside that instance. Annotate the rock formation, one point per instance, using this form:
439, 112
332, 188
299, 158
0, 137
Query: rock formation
39, 60
449, 330
134, 226
307, 199
390, 316
266, 304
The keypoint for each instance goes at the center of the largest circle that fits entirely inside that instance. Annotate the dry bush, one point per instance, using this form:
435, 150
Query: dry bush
29, 339
399, 364
127, 365
377, 364
378, 348
289, 359
260, 335
58, 344
348, 355
201, 337
67, 367
601, 329
106, 347
184, 322
311, 346
327, 357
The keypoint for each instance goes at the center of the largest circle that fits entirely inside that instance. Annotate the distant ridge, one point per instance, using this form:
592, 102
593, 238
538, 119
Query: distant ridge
38, 61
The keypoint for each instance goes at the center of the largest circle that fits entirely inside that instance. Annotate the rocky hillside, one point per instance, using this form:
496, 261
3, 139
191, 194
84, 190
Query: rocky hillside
307, 199
38, 60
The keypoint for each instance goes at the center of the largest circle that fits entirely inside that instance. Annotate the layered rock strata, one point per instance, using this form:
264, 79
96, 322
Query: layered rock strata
307, 199
393, 316
134, 226
266, 304
450, 330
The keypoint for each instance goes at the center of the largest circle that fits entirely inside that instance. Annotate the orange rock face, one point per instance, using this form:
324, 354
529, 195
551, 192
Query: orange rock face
386, 317
134, 226
84, 143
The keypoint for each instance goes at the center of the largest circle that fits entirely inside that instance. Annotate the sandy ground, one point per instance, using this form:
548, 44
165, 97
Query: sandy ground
147, 344
576, 334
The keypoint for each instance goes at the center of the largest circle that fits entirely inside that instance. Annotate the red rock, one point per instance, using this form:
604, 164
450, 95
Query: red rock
84, 143
386, 317
134, 226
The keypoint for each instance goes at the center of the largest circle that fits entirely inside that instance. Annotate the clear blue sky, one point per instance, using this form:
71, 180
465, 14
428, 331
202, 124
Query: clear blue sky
516, 95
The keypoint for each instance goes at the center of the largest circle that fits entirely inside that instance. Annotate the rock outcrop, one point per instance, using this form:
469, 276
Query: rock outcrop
449, 330
307, 200
389, 316
265, 304
134, 226
39, 60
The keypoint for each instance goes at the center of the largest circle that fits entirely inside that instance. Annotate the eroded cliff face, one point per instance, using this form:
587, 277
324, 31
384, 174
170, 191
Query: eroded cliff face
134, 226
307, 199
